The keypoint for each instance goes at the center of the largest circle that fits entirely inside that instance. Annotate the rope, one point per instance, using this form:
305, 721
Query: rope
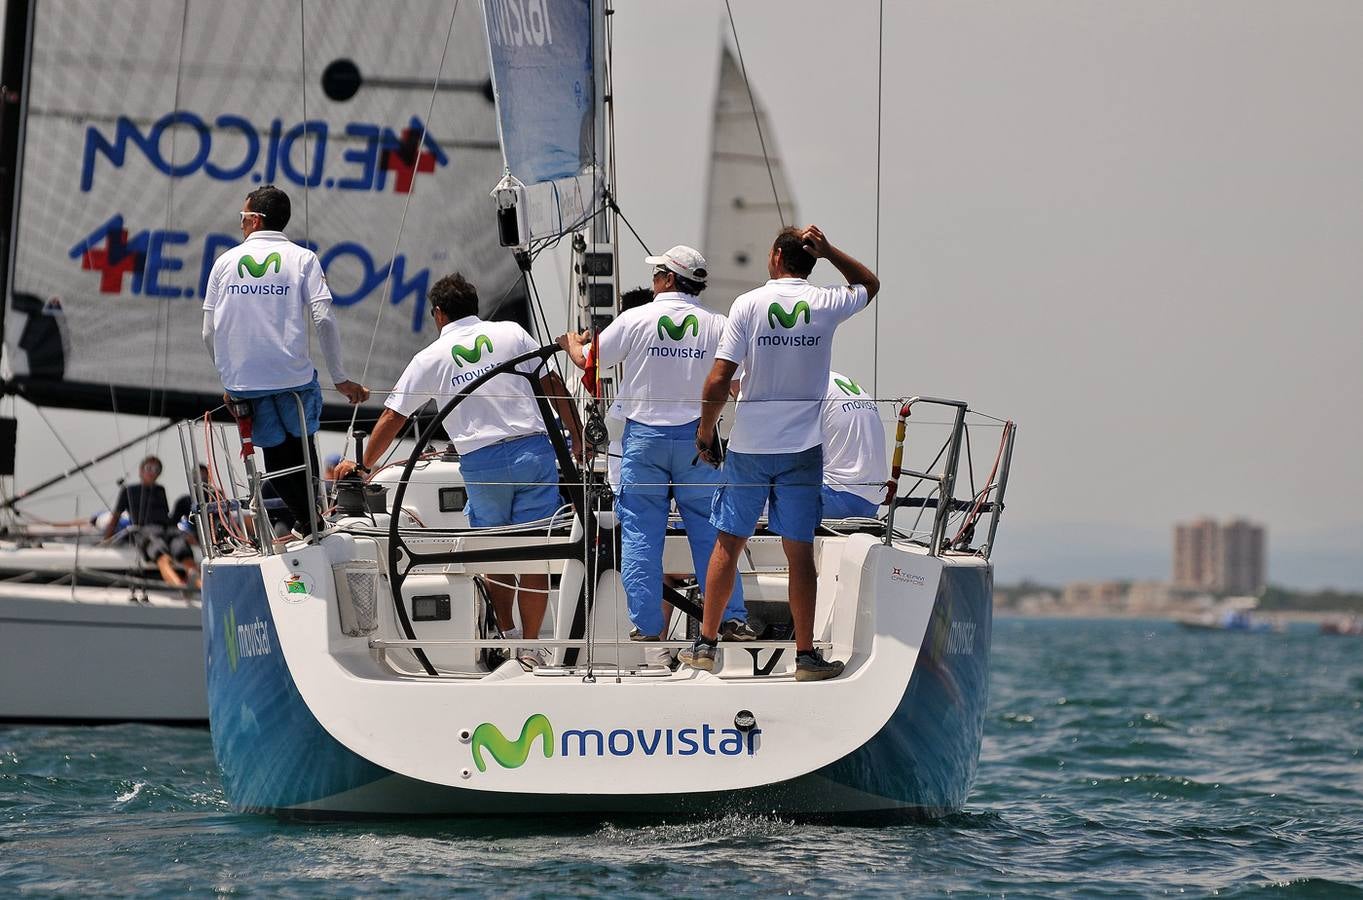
402, 224
880, 94
757, 120
303, 76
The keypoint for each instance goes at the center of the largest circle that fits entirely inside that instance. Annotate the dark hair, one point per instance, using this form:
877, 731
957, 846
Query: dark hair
795, 259
635, 297
150, 460
273, 206
687, 286
454, 296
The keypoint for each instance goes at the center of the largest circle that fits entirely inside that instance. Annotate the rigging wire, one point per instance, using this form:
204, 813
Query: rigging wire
880, 104
757, 120
161, 328
402, 223
303, 92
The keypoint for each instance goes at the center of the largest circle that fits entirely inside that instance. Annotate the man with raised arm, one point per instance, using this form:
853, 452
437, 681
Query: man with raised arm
782, 333
665, 350
260, 296
508, 464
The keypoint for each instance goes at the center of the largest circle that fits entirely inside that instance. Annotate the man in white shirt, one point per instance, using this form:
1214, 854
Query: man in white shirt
260, 294
782, 333
665, 350
855, 465
508, 464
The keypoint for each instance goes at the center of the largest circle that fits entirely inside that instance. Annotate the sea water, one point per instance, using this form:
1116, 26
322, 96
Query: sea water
1121, 758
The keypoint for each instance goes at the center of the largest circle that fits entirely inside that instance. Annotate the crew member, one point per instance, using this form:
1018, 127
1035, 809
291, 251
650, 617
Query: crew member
255, 331
616, 412
666, 349
782, 333
855, 466
508, 464
156, 536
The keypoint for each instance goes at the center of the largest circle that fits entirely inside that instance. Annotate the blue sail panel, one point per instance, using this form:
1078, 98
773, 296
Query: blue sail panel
542, 74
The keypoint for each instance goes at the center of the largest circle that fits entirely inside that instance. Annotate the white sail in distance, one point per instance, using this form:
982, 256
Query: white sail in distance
742, 214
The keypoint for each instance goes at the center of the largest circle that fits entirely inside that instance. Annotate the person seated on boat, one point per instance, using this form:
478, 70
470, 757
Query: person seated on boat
508, 464
782, 333
258, 294
855, 464
155, 534
665, 350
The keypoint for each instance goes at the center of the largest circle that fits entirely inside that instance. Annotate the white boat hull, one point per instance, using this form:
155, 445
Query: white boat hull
89, 654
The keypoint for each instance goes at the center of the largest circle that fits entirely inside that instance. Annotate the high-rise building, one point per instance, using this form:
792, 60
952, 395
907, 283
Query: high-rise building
1223, 558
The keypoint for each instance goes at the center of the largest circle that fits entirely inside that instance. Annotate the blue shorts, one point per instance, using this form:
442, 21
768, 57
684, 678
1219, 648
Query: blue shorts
512, 482
274, 414
790, 482
847, 505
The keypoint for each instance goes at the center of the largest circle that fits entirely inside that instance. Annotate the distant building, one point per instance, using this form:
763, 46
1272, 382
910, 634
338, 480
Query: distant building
1094, 595
1222, 558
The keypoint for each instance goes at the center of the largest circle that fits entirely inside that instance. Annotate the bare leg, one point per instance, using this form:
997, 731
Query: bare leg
501, 589
803, 586
166, 566
534, 599
719, 581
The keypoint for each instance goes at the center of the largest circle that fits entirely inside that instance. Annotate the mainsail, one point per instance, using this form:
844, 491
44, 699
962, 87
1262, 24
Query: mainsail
146, 122
741, 215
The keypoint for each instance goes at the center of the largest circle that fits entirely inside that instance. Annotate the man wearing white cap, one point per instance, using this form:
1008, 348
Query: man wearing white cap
666, 349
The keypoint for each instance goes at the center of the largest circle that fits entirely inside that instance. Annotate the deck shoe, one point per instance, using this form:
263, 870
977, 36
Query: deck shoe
637, 635
811, 666
734, 630
659, 657
700, 655
531, 658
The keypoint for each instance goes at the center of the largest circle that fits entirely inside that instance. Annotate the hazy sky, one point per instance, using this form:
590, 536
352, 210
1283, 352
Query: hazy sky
1133, 227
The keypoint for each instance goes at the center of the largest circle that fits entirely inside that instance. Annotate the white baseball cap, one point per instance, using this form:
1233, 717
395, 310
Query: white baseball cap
682, 260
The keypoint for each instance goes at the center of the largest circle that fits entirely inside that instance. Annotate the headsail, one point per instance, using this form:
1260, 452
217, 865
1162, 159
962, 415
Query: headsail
741, 215
543, 57
138, 151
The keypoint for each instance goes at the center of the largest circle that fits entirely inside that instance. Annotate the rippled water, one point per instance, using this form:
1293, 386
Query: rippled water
1121, 759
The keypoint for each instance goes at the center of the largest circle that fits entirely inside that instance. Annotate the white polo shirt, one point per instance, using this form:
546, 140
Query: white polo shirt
854, 457
782, 333
501, 409
665, 349
260, 294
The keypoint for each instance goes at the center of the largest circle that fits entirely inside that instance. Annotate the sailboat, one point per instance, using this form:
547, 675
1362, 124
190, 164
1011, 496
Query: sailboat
355, 673
127, 143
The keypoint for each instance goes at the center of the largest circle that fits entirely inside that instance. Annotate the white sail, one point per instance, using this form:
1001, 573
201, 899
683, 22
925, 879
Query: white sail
139, 147
543, 59
742, 216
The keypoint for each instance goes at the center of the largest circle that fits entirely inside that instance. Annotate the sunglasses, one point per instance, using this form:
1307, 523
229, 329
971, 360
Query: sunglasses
244, 215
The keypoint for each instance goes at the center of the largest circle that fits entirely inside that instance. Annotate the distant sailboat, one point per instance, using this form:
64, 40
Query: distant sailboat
129, 143
742, 213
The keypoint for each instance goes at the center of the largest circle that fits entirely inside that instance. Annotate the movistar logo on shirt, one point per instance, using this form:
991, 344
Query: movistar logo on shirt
675, 331
848, 387
462, 354
247, 263
777, 313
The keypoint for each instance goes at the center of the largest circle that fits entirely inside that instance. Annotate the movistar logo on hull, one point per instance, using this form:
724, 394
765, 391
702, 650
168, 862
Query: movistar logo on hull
462, 354
512, 754
246, 640
675, 331
621, 742
258, 269
777, 313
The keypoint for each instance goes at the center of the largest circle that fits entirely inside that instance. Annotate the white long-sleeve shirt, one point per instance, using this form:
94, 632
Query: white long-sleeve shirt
260, 296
